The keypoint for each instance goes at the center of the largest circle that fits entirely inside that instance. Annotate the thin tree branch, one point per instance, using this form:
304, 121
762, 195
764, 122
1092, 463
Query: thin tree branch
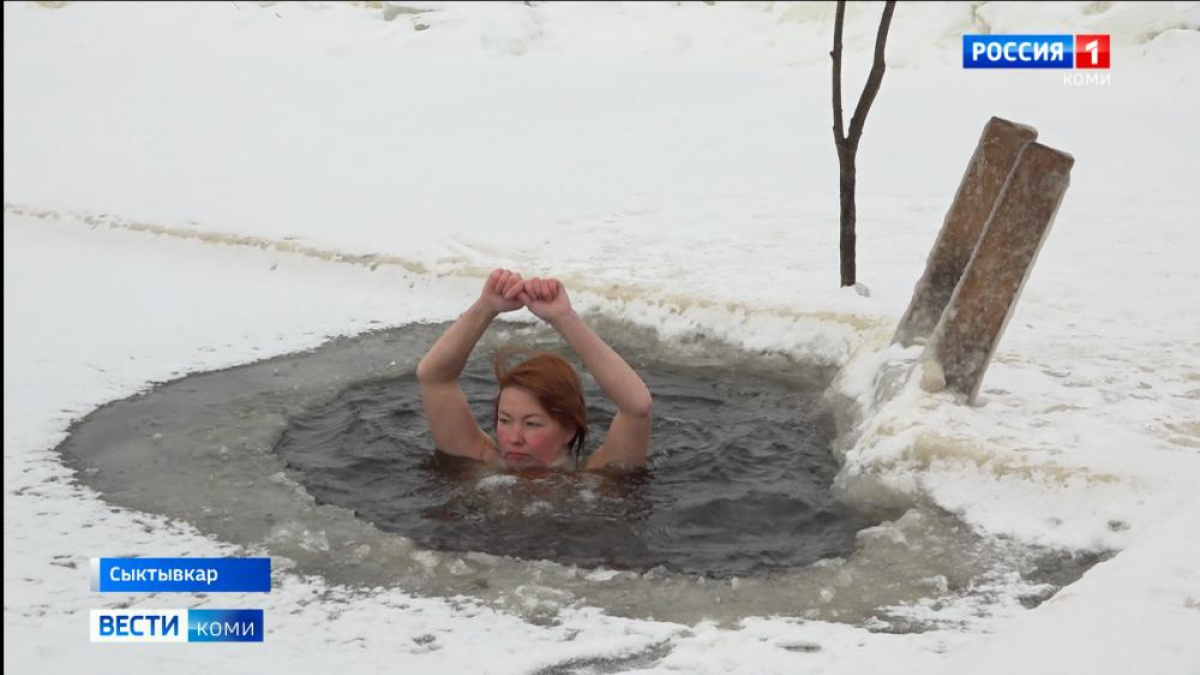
875, 78
839, 128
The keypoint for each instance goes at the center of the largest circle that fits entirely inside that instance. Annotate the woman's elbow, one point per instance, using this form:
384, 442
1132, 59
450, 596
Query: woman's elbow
640, 406
426, 373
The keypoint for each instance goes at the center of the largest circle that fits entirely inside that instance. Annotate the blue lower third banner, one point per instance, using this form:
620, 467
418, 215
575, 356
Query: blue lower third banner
181, 575
177, 625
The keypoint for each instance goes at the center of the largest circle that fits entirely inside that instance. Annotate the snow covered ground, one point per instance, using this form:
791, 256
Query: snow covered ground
193, 186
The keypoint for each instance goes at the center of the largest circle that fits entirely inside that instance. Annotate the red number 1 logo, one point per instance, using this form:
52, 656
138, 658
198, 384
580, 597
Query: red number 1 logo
1091, 51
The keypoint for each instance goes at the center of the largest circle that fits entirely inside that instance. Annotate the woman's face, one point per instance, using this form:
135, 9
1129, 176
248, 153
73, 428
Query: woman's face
527, 435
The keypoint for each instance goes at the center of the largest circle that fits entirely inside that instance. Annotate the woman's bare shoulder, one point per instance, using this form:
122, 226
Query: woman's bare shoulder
601, 461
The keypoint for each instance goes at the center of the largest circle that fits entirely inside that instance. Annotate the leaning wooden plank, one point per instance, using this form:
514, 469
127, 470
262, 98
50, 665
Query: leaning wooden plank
965, 337
989, 167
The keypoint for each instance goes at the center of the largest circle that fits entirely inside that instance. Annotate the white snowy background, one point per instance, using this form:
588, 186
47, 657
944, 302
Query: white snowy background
193, 186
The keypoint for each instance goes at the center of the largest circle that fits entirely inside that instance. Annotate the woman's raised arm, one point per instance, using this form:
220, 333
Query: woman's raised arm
454, 428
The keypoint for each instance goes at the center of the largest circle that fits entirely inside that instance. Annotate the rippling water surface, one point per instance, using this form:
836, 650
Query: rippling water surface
738, 479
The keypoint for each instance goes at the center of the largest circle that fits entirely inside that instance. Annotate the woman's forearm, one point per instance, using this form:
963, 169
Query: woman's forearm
618, 380
446, 360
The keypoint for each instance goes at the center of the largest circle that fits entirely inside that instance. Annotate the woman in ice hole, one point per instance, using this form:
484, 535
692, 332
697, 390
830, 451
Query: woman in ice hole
539, 414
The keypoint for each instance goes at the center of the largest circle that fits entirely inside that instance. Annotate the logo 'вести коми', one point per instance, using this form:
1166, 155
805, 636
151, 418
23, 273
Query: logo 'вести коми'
177, 625
1037, 51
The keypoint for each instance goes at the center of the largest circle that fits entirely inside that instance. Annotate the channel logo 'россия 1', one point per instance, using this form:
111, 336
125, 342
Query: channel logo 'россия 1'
1036, 51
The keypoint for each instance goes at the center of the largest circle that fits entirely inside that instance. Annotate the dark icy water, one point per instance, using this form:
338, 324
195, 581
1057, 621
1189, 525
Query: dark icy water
738, 480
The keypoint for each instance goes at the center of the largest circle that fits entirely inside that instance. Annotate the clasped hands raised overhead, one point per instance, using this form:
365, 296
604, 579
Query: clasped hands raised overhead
507, 291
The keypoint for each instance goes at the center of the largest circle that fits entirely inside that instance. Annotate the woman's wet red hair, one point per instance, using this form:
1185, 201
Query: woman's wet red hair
555, 385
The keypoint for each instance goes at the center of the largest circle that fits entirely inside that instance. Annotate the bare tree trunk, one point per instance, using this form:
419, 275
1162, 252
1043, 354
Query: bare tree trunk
848, 239
847, 146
